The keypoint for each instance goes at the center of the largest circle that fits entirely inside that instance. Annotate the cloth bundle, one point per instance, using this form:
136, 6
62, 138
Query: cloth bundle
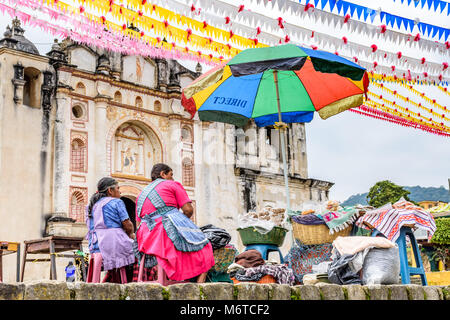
281, 273
250, 266
218, 237
339, 220
348, 257
249, 259
389, 219
308, 219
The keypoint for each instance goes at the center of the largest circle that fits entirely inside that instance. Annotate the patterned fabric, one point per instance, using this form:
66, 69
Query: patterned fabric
388, 219
224, 257
150, 274
308, 219
281, 273
301, 258
339, 220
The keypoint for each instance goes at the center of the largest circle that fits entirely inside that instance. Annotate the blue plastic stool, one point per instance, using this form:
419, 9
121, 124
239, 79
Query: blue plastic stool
265, 249
405, 270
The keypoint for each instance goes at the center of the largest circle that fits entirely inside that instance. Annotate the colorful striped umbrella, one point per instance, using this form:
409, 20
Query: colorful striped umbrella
277, 85
308, 81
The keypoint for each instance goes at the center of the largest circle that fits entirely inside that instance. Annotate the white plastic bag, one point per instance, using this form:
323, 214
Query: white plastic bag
381, 266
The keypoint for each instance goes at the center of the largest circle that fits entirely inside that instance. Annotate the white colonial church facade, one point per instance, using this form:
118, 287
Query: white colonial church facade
77, 114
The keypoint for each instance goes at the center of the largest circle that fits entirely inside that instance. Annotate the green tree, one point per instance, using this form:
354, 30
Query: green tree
384, 192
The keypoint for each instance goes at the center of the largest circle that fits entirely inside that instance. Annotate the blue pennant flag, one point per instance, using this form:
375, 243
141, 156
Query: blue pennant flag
345, 6
323, 3
339, 6
409, 2
373, 14
435, 30
332, 4
441, 31
316, 2
352, 9
398, 20
448, 8
430, 3
359, 10
422, 2
366, 11
447, 31
436, 4
382, 15
410, 24
442, 5
429, 29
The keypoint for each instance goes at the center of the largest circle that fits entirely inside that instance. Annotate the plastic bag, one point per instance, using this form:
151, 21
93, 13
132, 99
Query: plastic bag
381, 266
340, 272
321, 267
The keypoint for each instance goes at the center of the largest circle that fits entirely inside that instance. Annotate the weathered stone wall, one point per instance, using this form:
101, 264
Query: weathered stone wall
59, 290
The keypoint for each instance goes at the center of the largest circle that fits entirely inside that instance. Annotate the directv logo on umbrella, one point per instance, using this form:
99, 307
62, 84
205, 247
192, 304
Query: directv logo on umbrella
230, 101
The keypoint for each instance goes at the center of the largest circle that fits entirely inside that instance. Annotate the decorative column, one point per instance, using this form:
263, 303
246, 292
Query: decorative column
62, 147
118, 163
18, 82
141, 157
101, 102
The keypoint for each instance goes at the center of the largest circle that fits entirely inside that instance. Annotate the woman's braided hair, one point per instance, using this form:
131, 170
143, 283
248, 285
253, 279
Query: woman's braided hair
103, 186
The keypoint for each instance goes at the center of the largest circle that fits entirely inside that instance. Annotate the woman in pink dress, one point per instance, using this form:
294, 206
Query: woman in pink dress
165, 235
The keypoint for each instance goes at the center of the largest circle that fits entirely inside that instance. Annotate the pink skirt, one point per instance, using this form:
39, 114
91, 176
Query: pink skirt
178, 265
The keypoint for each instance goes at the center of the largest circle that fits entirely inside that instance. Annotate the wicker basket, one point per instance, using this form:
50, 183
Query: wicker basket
265, 279
316, 234
250, 235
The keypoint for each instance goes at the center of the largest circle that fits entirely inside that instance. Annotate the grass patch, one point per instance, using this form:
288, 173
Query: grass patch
202, 293
235, 292
165, 293
295, 295
345, 293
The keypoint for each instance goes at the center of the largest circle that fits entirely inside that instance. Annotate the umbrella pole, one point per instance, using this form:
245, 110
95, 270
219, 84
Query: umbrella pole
282, 126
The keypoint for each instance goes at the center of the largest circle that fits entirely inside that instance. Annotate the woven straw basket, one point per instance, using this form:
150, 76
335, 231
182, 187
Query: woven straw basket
316, 234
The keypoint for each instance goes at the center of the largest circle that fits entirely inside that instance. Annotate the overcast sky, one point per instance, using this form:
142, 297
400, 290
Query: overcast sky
355, 151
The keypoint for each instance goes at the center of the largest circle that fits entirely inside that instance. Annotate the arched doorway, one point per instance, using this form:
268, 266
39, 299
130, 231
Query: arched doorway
130, 205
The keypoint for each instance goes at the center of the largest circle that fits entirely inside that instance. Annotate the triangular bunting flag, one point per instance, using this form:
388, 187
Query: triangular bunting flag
339, 6
345, 6
359, 10
367, 11
430, 3
441, 31
323, 3
352, 9
398, 20
382, 15
436, 4
442, 5
410, 24
332, 4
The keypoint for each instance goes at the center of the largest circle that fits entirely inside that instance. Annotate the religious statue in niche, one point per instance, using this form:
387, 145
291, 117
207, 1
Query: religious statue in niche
130, 150
129, 159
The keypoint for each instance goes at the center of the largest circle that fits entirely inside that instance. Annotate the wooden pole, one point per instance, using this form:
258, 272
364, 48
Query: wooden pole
283, 143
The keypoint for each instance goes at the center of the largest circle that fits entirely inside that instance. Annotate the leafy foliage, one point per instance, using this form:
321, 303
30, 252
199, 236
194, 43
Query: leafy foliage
417, 194
442, 233
384, 192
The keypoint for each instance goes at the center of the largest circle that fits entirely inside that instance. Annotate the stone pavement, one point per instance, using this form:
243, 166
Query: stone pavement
60, 290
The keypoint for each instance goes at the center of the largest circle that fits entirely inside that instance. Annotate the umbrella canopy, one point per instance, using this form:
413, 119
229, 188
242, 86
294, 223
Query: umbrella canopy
277, 85
308, 81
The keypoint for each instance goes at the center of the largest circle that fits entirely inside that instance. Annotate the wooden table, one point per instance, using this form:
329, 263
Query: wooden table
52, 245
7, 247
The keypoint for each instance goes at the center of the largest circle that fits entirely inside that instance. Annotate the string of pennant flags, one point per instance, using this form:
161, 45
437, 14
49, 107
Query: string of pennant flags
395, 21
212, 36
201, 34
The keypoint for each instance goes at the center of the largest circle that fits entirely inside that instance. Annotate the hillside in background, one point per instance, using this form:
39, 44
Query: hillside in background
417, 194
